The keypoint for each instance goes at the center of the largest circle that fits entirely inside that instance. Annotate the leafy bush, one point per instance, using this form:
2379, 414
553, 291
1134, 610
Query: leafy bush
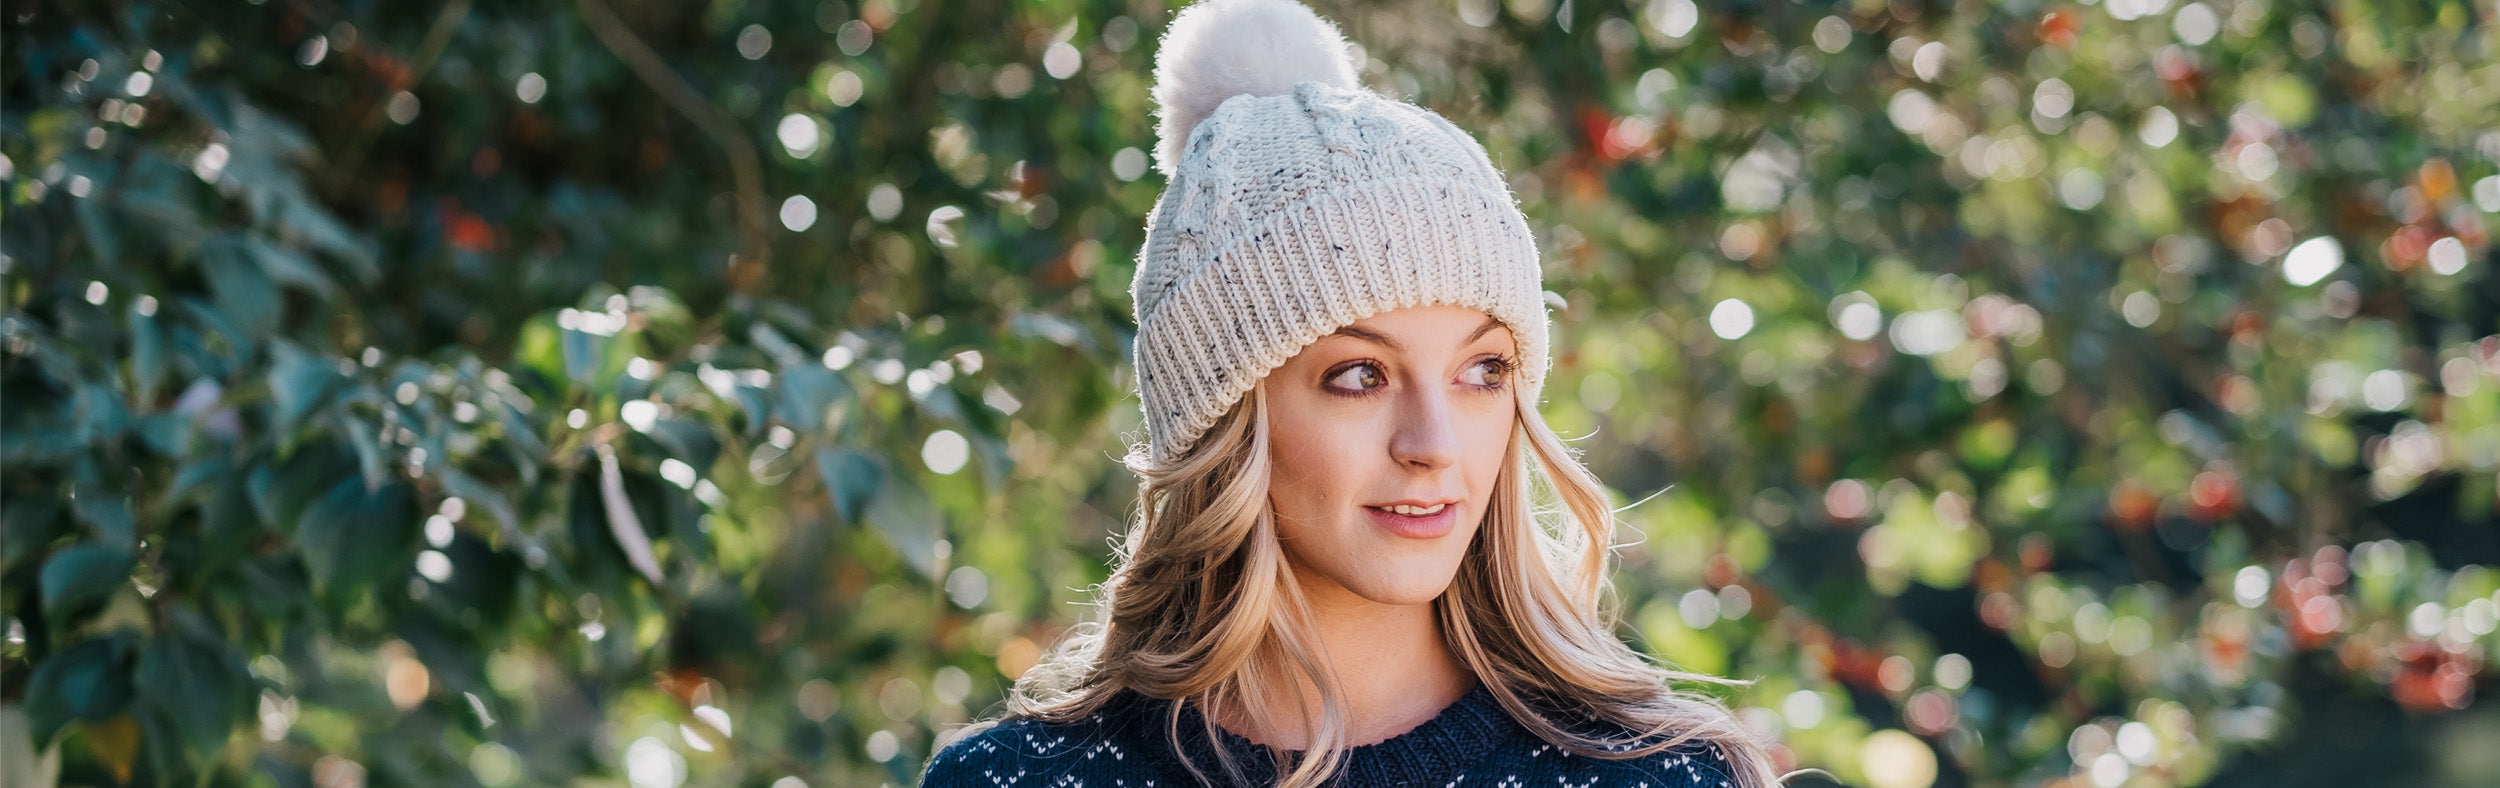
522, 393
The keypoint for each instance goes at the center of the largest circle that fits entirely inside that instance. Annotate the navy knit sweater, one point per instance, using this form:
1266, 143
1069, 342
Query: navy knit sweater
1471, 743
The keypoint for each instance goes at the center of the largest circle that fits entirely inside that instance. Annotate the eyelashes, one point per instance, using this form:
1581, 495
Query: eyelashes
1502, 368
1356, 379
1366, 378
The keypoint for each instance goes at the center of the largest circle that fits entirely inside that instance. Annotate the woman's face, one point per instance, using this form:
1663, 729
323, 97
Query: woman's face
1384, 439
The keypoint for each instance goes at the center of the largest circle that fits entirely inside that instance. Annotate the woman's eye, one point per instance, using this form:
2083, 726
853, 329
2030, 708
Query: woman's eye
1360, 377
1488, 373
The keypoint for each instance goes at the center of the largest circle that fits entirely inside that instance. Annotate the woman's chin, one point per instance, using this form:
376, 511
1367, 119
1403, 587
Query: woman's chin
1418, 587
1409, 599
1411, 576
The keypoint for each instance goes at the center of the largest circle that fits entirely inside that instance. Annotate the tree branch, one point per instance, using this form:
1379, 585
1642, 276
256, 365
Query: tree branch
746, 169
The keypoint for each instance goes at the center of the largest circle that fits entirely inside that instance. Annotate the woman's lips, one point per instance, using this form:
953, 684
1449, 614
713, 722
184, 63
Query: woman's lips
1427, 526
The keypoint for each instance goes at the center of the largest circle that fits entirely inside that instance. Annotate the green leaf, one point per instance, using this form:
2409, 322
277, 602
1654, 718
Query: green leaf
260, 485
27, 526
369, 459
280, 492
206, 315
106, 512
166, 433
631, 518
627, 387
40, 434
90, 680
688, 440
76, 582
268, 136
160, 744
156, 194
519, 432
352, 537
326, 233
298, 381
780, 348
540, 349
757, 403
194, 685
288, 267
597, 563
480, 495
583, 352
852, 478
808, 392
908, 520
664, 318
101, 416
228, 520
147, 356
102, 235
486, 581
246, 296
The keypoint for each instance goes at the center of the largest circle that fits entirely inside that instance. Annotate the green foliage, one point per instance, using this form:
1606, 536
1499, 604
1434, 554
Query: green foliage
88, 681
532, 393
77, 580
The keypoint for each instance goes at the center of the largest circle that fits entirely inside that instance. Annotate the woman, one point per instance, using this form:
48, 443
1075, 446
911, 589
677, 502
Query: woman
1338, 573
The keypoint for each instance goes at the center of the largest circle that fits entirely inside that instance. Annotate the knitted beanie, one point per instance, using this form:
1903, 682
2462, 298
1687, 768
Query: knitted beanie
1297, 202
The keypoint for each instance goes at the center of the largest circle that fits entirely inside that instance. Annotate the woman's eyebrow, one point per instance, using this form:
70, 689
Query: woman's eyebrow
1368, 335
1383, 340
1489, 325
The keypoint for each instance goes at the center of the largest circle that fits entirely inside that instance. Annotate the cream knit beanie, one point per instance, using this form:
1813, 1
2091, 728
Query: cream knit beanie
1297, 202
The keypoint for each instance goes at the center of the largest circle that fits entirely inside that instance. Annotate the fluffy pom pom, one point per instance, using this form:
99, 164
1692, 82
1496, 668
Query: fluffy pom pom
1219, 49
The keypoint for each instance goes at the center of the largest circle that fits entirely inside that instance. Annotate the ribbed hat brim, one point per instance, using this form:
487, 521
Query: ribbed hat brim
1309, 268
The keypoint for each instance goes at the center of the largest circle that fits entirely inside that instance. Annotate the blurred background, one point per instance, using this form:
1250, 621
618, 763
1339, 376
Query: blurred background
657, 394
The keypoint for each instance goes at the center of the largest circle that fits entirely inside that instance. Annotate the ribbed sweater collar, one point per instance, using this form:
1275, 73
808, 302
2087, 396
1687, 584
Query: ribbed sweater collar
1431, 754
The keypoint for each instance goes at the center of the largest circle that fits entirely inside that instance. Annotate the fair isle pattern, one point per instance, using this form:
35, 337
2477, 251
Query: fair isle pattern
1293, 215
1471, 743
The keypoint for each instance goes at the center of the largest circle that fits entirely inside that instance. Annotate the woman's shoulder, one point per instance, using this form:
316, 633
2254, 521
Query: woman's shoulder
1697, 764
1026, 738
1691, 764
1021, 748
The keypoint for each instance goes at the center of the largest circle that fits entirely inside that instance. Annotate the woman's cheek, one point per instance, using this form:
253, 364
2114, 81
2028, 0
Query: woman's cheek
1487, 443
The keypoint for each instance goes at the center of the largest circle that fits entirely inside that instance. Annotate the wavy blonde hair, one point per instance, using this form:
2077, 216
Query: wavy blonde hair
1203, 608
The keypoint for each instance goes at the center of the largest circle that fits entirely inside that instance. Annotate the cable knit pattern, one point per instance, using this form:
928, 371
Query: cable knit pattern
1292, 215
1126, 745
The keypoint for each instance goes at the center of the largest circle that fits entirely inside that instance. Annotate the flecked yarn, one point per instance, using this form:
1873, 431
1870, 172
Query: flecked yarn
1130, 742
1290, 215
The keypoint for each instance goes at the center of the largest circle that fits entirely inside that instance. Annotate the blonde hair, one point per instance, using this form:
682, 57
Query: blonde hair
1204, 609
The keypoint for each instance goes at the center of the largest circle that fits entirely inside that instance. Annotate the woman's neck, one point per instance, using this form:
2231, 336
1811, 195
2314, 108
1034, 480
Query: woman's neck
1391, 665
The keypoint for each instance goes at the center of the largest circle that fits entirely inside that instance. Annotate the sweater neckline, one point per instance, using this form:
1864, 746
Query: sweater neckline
1432, 753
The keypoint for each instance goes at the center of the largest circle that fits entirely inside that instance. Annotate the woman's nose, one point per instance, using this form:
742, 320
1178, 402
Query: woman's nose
1427, 436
